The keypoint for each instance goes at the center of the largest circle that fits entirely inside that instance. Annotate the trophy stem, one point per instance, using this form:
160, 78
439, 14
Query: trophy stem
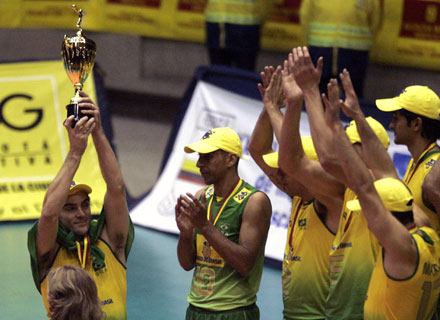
78, 88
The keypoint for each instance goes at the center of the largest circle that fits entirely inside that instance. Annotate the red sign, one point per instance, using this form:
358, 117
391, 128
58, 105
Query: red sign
421, 20
139, 3
196, 6
285, 12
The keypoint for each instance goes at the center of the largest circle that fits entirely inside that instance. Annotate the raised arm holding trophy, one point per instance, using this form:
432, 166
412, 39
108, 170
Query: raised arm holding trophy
66, 233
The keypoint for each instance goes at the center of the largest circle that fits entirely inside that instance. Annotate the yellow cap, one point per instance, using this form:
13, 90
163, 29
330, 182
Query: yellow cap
417, 99
394, 193
377, 127
215, 139
75, 188
271, 159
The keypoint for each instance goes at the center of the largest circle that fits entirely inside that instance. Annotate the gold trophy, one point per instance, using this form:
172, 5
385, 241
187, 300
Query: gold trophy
78, 55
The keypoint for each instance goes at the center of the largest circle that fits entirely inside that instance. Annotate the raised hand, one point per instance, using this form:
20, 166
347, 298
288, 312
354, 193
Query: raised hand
79, 134
265, 75
306, 75
332, 103
292, 92
272, 93
350, 106
89, 108
183, 223
194, 210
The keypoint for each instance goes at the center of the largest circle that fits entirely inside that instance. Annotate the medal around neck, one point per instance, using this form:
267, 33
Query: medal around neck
78, 55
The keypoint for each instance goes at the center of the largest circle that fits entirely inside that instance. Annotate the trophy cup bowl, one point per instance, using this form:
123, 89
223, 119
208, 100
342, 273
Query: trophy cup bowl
78, 55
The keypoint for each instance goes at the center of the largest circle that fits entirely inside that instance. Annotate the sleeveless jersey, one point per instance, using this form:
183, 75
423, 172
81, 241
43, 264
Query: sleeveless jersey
352, 259
216, 285
306, 263
412, 298
414, 177
111, 280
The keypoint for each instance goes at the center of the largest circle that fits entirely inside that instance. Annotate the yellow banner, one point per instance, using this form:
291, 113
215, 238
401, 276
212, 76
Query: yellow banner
409, 37
410, 34
33, 140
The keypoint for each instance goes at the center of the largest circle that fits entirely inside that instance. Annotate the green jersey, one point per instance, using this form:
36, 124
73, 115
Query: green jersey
216, 285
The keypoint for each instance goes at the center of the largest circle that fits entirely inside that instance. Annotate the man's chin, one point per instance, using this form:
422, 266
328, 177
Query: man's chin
81, 231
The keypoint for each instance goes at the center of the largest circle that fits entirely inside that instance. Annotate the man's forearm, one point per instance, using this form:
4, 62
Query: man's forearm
375, 155
59, 188
186, 252
108, 163
291, 149
356, 172
234, 254
321, 134
276, 119
262, 136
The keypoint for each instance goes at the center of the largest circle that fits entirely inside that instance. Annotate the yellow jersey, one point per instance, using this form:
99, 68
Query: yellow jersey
352, 259
111, 280
414, 177
306, 264
412, 298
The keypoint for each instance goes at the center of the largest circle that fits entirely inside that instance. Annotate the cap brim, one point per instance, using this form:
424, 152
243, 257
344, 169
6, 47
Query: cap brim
80, 188
200, 147
271, 159
354, 205
387, 105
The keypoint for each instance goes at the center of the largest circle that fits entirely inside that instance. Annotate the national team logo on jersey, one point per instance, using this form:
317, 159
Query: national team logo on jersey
224, 229
429, 164
302, 223
241, 195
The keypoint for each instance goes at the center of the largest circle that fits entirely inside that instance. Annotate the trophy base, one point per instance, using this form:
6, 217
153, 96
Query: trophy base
75, 110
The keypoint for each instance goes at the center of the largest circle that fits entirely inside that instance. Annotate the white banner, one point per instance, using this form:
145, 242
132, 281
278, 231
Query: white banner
209, 108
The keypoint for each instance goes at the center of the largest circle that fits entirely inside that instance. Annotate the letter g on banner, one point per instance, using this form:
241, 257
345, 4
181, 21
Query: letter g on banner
34, 120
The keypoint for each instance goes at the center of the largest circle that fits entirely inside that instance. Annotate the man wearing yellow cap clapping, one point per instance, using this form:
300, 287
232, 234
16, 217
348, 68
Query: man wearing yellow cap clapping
223, 231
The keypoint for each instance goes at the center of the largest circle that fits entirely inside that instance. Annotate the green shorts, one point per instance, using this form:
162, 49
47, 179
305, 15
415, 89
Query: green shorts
243, 313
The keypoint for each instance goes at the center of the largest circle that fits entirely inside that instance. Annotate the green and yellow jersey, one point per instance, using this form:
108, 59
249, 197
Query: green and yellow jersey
110, 280
414, 177
412, 298
216, 285
352, 259
306, 263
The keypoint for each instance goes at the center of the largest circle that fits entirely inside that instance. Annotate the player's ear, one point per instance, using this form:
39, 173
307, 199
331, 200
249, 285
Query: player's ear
232, 159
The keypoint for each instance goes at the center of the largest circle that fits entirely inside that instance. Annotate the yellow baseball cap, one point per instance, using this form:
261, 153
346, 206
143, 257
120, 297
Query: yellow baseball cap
75, 188
377, 127
271, 159
224, 139
417, 99
395, 195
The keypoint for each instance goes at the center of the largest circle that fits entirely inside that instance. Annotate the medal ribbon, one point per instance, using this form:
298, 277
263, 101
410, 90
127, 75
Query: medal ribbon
419, 161
83, 251
298, 209
224, 202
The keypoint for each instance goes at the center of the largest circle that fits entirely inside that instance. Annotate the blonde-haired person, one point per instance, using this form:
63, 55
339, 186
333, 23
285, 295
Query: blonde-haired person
73, 295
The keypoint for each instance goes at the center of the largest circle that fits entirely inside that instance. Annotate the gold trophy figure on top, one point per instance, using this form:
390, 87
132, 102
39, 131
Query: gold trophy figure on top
78, 55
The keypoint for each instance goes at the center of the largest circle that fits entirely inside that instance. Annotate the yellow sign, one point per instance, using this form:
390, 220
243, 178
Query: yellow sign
33, 140
409, 36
